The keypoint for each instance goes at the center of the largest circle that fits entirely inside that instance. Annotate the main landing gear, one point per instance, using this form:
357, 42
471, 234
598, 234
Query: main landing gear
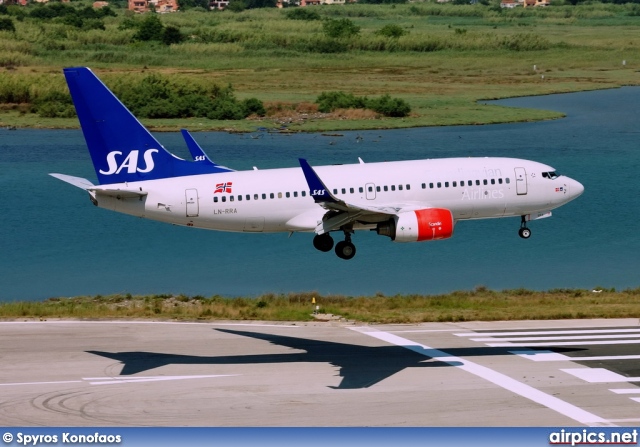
524, 232
344, 249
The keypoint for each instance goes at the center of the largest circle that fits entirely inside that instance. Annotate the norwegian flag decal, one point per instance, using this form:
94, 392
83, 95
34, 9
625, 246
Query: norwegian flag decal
560, 189
223, 187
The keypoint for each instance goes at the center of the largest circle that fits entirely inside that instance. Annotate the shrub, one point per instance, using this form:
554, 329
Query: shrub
388, 106
391, 31
150, 28
6, 24
171, 35
302, 14
340, 28
385, 105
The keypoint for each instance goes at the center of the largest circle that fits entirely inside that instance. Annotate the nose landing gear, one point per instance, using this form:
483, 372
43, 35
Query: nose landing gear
524, 232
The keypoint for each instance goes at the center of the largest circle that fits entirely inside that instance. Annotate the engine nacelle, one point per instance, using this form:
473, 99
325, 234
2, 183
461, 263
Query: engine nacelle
421, 225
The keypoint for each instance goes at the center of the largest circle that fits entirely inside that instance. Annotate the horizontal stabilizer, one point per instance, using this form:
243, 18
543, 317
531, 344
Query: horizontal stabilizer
78, 182
119, 193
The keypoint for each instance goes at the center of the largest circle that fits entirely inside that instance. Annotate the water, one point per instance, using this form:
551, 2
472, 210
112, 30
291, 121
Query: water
55, 243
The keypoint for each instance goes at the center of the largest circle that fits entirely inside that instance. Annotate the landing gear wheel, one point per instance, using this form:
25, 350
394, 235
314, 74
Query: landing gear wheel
323, 242
524, 233
345, 250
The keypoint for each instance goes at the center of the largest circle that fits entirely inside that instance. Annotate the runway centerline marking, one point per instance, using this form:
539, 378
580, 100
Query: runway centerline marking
503, 381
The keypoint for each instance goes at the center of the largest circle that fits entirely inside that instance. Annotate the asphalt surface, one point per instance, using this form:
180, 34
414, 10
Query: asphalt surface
519, 373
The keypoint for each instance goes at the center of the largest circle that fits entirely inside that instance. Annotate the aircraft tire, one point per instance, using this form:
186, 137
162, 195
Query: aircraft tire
323, 242
524, 233
345, 250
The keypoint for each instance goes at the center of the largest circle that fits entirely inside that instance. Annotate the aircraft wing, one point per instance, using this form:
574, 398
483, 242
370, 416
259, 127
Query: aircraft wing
345, 212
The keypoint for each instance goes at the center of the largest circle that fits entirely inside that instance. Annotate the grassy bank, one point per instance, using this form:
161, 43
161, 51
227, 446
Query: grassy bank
477, 305
449, 58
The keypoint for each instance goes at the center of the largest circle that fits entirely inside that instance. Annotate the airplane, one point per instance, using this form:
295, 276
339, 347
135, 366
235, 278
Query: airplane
407, 201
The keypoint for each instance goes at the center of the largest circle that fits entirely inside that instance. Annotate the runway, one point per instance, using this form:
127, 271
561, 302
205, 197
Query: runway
143, 373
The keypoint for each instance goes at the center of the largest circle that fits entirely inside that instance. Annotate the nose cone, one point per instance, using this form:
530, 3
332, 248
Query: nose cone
575, 188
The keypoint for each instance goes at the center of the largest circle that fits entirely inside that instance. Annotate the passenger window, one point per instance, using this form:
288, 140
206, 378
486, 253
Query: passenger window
500, 181
454, 184
295, 193
279, 195
470, 183
351, 190
507, 181
386, 188
370, 188
477, 182
304, 193
424, 186
393, 187
360, 189
231, 199
255, 197
240, 198
264, 196
215, 199
431, 185
224, 198
408, 187
248, 197
446, 184
378, 188
335, 191
493, 181
399, 187
271, 195
484, 182
439, 185
344, 191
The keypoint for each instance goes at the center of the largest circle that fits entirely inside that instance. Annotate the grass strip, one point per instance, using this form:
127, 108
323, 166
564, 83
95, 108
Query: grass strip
480, 304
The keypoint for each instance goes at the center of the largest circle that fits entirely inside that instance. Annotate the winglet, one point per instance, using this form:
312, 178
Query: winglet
318, 189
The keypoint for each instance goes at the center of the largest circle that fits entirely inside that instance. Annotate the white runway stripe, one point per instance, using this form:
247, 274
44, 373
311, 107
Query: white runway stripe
626, 391
570, 337
567, 332
564, 343
499, 379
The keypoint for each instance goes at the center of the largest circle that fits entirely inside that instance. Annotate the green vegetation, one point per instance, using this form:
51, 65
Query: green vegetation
439, 59
480, 304
385, 105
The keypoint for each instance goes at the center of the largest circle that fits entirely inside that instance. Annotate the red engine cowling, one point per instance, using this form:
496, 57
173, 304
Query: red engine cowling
421, 225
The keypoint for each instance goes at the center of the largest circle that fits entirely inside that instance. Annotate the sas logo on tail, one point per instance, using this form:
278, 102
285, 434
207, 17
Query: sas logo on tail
130, 163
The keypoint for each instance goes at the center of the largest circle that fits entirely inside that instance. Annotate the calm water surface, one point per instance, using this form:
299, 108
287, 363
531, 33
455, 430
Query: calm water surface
55, 243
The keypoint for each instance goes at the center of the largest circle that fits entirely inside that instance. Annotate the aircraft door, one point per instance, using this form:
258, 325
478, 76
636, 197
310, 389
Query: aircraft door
521, 181
191, 196
370, 191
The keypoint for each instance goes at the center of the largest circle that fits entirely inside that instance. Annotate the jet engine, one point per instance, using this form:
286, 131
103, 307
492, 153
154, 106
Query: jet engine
421, 225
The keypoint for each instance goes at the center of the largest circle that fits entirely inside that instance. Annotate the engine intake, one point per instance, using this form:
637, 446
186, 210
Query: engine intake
421, 225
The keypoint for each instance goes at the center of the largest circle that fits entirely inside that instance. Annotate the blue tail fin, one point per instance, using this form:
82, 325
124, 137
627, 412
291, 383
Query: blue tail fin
121, 148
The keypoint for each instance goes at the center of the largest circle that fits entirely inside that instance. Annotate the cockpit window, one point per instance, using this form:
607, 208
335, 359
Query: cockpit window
552, 175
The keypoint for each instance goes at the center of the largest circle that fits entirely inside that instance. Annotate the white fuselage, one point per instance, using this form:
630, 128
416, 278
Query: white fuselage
275, 200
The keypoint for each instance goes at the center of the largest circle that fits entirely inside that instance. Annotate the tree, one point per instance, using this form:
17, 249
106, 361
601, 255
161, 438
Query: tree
171, 35
151, 28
